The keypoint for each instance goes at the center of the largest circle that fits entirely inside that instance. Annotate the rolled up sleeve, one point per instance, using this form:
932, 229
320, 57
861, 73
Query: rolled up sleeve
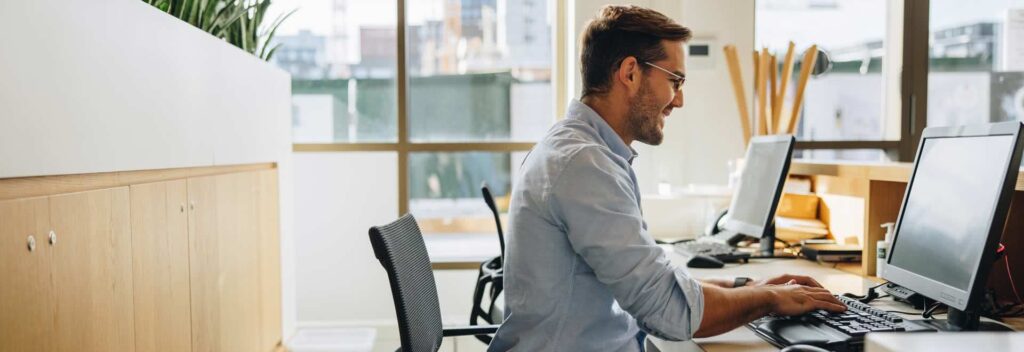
595, 202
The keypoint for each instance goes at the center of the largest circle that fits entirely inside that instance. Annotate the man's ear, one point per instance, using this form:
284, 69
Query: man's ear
629, 74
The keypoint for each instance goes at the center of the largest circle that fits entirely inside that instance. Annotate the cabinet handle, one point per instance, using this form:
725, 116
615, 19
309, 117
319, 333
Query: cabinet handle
192, 206
53, 238
31, 243
182, 207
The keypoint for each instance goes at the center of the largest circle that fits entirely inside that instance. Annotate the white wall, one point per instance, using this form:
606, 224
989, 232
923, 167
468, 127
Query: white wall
116, 85
112, 85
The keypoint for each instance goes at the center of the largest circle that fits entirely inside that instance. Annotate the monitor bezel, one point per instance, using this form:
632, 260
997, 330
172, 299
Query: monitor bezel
758, 230
954, 297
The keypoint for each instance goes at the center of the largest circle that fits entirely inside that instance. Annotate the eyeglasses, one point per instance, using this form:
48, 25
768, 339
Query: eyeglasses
677, 80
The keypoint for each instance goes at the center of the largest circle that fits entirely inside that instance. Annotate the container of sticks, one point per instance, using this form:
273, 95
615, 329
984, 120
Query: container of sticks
770, 88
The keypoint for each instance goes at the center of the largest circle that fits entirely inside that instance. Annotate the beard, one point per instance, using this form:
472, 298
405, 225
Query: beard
644, 119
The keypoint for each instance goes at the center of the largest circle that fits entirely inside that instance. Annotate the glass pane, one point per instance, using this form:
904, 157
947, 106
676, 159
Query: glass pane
480, 70
847, 102
976, 62
878, 155
444, 189
342, 58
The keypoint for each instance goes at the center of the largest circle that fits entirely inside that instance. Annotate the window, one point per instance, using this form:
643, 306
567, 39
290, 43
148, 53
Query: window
459, 90
847, 102
976, 62
470, 62
342, 56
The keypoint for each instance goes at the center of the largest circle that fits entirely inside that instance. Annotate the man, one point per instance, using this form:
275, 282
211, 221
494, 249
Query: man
582, 274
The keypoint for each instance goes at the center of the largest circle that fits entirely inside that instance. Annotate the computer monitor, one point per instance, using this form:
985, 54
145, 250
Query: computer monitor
752, 210
952, 217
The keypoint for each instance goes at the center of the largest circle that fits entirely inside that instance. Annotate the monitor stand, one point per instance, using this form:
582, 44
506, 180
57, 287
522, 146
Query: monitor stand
767, 242
766, 246
958, 320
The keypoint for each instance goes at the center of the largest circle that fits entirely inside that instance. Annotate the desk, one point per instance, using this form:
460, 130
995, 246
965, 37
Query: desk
742, 339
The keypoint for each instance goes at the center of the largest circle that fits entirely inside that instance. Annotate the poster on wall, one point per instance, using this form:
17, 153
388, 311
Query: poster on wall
1007, 96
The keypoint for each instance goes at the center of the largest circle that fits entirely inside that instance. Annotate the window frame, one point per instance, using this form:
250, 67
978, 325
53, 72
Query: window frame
403, 146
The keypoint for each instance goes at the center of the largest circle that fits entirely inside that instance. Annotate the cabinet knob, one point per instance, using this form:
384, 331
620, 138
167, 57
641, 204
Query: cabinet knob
53, 238
31, 243
191, 205
182, 207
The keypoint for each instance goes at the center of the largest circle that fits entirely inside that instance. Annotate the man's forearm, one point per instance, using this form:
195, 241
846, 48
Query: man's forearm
727, 309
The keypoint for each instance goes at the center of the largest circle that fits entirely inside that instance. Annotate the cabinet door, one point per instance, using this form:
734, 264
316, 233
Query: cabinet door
160, 266
224, 257
92, 271
270, 260
26, 309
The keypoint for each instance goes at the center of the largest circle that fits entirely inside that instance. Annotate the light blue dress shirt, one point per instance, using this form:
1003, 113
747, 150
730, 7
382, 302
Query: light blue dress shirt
581, 271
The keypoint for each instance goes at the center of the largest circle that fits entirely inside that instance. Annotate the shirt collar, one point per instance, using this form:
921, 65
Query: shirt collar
579, 111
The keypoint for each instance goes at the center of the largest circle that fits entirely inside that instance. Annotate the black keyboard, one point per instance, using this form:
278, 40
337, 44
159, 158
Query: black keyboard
721, 251
833, 331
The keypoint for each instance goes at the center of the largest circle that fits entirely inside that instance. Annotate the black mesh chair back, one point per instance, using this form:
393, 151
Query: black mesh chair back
490, 278
489, 199
399, 247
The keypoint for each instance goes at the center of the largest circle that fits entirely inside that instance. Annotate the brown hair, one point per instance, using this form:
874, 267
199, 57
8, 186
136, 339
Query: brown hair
619, 32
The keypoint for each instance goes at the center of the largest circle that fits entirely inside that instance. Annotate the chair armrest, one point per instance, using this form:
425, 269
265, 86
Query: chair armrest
470, 330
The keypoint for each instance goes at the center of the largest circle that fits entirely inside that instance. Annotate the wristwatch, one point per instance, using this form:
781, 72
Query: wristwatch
741, 281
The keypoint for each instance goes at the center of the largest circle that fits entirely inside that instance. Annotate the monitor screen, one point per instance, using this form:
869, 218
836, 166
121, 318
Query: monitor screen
949, 208
760, 185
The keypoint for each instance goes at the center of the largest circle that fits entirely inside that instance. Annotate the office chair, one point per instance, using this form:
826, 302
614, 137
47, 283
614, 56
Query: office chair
490, 278
400, 249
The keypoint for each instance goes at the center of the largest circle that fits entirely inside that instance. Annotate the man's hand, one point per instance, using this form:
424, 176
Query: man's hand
785, 279
793, 299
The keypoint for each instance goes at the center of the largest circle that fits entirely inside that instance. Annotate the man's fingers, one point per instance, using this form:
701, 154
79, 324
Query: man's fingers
829, 306
825, 296
808, 281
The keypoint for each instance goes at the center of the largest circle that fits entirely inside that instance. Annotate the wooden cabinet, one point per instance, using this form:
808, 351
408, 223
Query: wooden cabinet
26, 295
92, 272
183, 264
224, 243
270, 260
160, 266
73, 290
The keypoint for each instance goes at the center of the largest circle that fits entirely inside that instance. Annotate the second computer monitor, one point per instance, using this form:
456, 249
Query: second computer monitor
953, 213
753, 205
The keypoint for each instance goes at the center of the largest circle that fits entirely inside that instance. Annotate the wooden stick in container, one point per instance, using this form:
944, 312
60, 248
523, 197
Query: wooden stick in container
733, 60
805, 73
762, 92
773, 126
780, 99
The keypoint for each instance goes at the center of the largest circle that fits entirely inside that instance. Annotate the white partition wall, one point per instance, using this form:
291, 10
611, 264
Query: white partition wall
116, 85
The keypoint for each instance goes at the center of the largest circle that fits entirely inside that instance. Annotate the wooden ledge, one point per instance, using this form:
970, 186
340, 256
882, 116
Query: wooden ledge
872, 171
39, 186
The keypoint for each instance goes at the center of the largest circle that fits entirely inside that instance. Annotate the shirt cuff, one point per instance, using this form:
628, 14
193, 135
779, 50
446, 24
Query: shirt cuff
694, 298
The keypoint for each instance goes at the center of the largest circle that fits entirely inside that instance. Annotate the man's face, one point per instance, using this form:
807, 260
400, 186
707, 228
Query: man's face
656, 98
